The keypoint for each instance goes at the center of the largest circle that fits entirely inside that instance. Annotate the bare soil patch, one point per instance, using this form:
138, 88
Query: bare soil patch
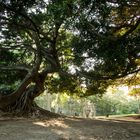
69, 129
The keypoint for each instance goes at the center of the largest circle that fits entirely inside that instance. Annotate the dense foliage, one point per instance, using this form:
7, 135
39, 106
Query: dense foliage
74, 46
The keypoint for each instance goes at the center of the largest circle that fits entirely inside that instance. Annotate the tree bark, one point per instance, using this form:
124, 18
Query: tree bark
22, 100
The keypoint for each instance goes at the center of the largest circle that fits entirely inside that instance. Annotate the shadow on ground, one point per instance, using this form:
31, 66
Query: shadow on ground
69, 129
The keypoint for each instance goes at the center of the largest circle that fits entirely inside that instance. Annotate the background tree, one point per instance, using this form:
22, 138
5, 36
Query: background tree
134, 88
87, 44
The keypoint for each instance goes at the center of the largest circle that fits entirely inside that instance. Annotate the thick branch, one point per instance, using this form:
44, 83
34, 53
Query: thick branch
22, 68
132, 28
53, 43
99, 77
38, 52
48, 70
49, 57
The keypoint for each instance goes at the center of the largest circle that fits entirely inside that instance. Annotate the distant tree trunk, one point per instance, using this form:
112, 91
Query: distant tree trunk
49, 100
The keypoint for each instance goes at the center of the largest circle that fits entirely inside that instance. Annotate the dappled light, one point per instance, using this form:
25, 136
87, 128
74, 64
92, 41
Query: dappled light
52, 124
69, 69
69, 128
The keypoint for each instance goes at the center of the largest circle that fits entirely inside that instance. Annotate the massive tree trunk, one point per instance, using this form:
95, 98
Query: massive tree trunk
22, 99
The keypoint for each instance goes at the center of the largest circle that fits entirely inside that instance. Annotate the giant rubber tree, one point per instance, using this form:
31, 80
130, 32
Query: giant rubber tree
71, 46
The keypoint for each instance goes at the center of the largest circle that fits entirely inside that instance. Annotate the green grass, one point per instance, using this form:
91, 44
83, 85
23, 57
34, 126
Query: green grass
121, 115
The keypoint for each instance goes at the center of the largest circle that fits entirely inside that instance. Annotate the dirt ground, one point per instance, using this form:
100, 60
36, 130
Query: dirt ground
69, 129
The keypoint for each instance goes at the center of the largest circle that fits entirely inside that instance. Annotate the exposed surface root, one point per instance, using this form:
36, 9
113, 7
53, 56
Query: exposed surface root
36, 112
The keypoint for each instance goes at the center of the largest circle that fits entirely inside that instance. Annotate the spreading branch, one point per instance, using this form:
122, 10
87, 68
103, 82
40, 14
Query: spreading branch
17, 68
